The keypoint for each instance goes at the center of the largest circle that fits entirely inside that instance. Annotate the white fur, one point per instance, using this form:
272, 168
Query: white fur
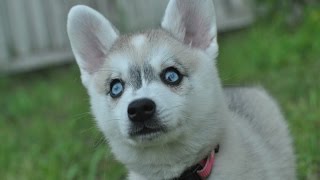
138, 41
245, 122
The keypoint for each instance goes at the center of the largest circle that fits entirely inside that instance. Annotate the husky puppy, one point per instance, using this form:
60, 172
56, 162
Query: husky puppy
158, 99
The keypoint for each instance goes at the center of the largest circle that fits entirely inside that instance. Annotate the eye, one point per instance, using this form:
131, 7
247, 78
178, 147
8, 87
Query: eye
171, 76
116, 88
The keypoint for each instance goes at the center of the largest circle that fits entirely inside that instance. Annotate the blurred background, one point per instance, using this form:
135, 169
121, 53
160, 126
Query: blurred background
46, 130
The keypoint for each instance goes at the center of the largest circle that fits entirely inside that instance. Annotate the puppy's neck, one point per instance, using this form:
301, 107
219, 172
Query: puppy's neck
170, 160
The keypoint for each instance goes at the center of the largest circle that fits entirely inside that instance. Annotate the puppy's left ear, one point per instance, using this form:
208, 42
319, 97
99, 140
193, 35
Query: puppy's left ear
193, 22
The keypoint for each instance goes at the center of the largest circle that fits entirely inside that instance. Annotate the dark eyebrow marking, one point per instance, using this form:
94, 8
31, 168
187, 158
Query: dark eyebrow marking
135, 76
149, 73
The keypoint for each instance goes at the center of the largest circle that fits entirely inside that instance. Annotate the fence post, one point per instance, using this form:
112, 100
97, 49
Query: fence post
19, 26
39, 31
3, 44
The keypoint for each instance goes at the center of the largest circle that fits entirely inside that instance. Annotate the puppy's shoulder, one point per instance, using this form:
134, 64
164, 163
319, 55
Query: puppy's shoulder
253, 103
237, 96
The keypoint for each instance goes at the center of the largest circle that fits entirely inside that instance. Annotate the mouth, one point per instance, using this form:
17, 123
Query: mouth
146, 131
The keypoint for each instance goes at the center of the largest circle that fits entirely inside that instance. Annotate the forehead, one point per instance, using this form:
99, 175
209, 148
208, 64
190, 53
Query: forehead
143, 47
141, 57
153, 47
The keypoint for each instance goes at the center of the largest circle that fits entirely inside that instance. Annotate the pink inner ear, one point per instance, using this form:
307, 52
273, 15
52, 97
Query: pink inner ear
197, 24
197, 31
94, 63
93, 53
91, 36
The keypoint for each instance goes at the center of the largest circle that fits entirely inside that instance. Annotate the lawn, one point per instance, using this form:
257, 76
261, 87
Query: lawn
47, 132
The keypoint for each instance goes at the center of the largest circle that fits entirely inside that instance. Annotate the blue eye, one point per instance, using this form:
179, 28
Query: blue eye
171, 76
116, 88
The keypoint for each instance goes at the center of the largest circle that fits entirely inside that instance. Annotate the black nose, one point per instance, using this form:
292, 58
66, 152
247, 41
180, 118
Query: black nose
141, 110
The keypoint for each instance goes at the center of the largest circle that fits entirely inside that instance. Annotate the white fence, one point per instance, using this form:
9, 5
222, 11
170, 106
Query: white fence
33, 32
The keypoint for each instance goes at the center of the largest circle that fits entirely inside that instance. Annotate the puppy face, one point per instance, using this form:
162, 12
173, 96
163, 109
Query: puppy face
154, 87
153, 67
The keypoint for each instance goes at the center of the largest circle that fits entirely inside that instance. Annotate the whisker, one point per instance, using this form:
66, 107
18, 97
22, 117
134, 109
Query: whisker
99, 142
81, 115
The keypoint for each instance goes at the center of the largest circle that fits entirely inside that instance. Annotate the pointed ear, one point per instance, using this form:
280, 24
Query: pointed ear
193, 22
91, 36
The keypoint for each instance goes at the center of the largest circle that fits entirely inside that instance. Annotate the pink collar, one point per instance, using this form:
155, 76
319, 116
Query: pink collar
207, 165
200, 171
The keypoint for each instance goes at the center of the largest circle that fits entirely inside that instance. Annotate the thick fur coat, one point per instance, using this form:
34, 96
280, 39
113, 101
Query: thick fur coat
195, 114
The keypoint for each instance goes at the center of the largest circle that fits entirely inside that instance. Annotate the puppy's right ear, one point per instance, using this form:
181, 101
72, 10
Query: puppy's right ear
91, 36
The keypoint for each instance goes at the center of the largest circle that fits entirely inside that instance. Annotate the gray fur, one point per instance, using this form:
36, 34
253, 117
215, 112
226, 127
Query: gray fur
246, 122
255, 108
149, 73
135, 79
138, 74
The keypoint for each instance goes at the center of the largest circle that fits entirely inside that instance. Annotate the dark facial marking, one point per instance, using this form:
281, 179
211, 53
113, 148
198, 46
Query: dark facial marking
149, 73
135, 77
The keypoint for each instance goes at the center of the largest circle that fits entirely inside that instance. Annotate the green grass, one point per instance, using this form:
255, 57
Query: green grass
46, 131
